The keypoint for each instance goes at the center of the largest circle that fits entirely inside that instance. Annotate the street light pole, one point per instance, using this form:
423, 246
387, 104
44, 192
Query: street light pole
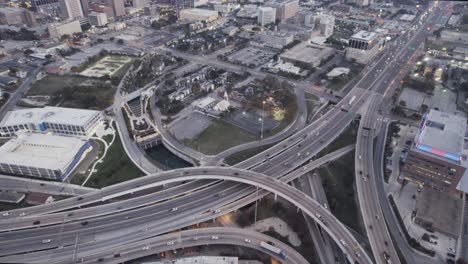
263, 117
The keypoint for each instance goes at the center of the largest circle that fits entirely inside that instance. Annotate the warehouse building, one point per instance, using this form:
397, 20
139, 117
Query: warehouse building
60, 120
436, 157
306, 54
42, 155
197, 14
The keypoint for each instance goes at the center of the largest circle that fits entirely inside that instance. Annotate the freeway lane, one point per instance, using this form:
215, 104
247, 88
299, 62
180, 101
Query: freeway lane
369, 78
336, 230
127, 231
375, 225
195, 237
50, 187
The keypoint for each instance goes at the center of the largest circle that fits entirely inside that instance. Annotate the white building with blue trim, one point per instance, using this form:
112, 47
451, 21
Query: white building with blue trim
60, 120
42, 155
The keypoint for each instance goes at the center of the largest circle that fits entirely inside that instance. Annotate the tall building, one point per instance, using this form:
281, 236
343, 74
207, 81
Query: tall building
59, 120
42, 155
327, 24
117, 6
363, 46
266, 15
16, 16
285, 8
85, 7
140, 3
436, 158
71, 9
97, 19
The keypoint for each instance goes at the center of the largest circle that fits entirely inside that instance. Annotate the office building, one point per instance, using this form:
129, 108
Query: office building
266, 16
436, 157
60, 120
362, 2
326, 25
284, 8
16, 16
117, 6
97, 19
275, 39
197, 14
57, 30
104, 9
71, 9
85, 7
140, 3
42, 155
363, 46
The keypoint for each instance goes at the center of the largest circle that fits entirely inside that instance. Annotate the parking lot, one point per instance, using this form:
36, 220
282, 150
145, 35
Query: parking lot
251, 56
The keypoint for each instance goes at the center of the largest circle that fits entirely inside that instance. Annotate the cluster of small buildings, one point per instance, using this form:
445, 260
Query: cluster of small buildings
46, 142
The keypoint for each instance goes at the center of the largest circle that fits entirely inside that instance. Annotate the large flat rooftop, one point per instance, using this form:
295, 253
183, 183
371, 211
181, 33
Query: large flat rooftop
307, 53
61, 115
40, 150
442, 134
365, 35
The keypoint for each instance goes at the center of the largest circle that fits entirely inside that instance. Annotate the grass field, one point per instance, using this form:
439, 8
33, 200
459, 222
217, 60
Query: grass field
116, 167
108, 65
312, 102
219, 136
338, 181
75, 91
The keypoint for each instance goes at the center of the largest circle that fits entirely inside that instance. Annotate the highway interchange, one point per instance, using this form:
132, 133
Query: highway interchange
277, 161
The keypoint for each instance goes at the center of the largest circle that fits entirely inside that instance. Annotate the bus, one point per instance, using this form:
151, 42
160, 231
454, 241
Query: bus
273, 249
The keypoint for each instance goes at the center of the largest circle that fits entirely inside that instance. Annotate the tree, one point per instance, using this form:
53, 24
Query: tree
424, 108
120, 41
402, 103
65, 37
28, 52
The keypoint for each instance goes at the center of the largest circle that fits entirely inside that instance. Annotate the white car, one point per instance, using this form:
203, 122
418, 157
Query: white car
217, 211
247, 240
45, 241
145, 248
214, 238
6, 214
342, 242
174, 209
170, 243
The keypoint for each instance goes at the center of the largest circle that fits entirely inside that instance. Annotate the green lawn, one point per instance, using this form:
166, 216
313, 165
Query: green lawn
75, 91
116, 167
348, 137
218, 137
312, 102
290, 115
338, 182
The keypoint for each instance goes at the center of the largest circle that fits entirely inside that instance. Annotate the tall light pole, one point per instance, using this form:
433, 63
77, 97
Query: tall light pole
263, 117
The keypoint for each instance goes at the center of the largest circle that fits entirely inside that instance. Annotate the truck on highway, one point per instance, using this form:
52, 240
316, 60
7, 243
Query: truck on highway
352, 100
273, 249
